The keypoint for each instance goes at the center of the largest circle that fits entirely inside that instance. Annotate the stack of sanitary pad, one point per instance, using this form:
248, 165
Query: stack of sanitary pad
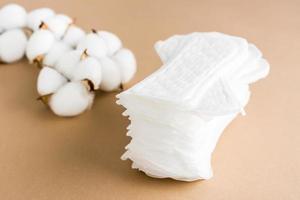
178, 113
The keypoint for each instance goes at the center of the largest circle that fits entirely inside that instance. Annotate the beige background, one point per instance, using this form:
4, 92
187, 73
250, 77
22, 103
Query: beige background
258, 157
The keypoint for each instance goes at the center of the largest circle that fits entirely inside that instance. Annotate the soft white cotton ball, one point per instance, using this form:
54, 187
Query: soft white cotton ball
94, 45
64, 18
89, 68
73, 35
49, 80
12, 16
57, 50
127, 63
39, 44
37, 16
68, 62
58, 24
71, 99
12, 45
111, 40
111, 76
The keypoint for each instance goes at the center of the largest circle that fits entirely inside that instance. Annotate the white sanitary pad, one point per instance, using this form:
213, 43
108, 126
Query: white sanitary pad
178, 113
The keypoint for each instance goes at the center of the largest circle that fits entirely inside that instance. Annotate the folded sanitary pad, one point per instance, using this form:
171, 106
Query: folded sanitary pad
178, 113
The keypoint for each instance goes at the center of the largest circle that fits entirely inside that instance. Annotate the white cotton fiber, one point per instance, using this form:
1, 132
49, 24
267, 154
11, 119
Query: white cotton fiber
127, 64
73, 35
90, 69
12, 16
58, 24
57, 50
71, 99
94, 45
49, 81
112, 41
37, 16
68, 62
39, 44
12, 45
111, 75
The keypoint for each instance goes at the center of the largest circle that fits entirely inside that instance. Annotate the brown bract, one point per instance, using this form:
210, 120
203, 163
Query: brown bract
45, 99
88, 84
84, 55
28, 32
38, 61
43, 25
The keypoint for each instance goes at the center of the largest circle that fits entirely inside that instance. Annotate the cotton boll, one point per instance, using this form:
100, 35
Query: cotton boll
57, 50
12, 16
94, 44
127, 63
73, 35
71, 99
67, 63
64, 18
12, 45
111, 40
37, 16
90, 69
111, 76
49, 80
58, 24
39, 44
